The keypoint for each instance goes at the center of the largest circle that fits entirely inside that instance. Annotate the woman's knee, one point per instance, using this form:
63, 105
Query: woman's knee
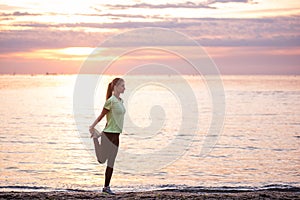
101, 161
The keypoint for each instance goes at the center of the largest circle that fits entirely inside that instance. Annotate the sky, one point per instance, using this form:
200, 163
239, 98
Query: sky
240, 36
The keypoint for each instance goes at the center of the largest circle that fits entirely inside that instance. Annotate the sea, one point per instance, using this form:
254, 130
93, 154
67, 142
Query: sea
231, 132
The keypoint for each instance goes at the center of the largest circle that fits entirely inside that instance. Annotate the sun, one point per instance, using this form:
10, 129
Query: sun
76, 51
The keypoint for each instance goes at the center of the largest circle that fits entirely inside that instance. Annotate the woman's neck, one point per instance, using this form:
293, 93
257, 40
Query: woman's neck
117, 95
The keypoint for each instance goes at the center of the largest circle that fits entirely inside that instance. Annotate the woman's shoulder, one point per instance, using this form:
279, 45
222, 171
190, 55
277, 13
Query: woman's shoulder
112, 99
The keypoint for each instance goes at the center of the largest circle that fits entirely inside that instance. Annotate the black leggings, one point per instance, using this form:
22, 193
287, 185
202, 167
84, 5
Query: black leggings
107, 150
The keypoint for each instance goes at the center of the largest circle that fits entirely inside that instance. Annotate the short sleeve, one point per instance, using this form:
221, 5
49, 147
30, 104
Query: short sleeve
107, 104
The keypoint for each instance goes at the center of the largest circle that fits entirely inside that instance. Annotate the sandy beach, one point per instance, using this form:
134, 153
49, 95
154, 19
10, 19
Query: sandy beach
166, 194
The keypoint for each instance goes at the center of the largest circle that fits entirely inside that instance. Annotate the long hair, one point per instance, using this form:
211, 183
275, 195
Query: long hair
111, 85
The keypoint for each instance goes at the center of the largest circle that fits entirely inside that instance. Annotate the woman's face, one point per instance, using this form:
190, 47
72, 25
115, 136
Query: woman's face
120, 87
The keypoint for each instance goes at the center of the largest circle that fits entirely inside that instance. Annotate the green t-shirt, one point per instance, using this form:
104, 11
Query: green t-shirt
115, 116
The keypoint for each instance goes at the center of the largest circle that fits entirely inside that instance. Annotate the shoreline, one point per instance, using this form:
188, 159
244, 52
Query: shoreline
268, 192
157, 194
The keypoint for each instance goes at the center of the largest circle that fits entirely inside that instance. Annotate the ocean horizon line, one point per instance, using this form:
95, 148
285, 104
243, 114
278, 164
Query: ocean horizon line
155, 74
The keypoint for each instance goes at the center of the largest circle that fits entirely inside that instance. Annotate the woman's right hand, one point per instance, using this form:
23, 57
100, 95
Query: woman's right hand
91, 129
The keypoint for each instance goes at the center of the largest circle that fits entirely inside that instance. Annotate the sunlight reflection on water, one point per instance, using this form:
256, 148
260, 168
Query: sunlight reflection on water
259, 145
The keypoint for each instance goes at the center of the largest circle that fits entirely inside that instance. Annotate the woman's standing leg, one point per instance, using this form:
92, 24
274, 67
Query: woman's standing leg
113, 151
108, 175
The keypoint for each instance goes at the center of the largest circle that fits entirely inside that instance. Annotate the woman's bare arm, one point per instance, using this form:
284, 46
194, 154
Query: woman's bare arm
103, 113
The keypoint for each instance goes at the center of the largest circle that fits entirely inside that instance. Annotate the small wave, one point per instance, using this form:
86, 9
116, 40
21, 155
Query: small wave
38, 189
280, 188
169, 187
24, 188
225, 189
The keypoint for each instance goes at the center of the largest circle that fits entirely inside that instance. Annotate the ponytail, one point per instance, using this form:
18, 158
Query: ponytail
110, 87
109, 90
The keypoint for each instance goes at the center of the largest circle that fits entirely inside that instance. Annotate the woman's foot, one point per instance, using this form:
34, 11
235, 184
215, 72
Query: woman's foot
107, 190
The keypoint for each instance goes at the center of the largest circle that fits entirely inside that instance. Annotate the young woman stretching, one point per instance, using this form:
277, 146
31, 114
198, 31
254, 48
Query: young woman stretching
114, 111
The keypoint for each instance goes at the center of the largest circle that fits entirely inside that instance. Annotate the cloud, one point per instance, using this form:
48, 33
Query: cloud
229, 1
120, 15
17, 14
187, 4
14, 15
117, 25
266, 31
29, 40
272, 32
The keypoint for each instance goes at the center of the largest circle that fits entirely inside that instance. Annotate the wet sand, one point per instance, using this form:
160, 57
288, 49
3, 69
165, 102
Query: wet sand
166, 194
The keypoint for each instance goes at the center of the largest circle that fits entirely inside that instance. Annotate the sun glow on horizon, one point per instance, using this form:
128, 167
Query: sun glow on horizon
35, 33
70, 53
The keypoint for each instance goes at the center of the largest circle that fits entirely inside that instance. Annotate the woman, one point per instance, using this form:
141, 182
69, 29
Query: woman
114, 111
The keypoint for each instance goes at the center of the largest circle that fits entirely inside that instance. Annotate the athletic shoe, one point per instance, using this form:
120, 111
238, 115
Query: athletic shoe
95, 133
107, 190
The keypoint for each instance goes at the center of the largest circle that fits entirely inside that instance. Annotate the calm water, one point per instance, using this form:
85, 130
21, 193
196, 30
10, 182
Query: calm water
42, 147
